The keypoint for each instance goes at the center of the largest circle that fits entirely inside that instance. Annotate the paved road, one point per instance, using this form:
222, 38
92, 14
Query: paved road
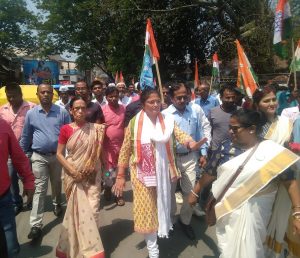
117, 234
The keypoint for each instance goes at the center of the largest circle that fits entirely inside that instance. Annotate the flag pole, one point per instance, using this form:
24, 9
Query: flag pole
294, 65
159, 81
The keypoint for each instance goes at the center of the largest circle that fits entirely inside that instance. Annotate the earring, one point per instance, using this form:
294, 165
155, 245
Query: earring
251, 132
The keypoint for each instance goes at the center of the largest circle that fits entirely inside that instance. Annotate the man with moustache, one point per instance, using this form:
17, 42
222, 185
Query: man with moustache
40, 133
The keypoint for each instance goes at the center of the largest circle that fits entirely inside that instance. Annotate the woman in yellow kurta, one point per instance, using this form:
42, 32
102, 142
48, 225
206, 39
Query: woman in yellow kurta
148, 150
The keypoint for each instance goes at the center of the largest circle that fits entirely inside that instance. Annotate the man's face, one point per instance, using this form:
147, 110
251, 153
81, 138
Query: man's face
121, 89
45, 94
64, 96
98, 90
82, 90
165, 92
228, 99
113, 99
131, 88
180, 98
203, 91
14, 98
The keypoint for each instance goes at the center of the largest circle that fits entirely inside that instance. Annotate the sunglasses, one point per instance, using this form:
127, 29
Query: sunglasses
236, 128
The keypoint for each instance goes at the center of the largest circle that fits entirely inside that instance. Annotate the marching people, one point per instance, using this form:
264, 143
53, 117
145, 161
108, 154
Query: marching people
98, 91
83, 141
10, 147
246, 203
40, 134
114, 115
147, 149
14, 113
276, 128
188, 120
205, 100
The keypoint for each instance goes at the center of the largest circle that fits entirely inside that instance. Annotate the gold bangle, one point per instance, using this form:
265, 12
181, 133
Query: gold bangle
296, 207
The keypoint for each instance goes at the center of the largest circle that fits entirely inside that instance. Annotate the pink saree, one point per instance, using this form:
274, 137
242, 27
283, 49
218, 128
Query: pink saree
79, 235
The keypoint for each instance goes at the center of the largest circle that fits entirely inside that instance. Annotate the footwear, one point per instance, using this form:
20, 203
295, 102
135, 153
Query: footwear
120, 201
34, 233
197, 210
17, 209
57, 210
188, 230
178, 196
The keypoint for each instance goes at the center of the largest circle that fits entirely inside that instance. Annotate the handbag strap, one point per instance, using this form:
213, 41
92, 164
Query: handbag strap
238, 171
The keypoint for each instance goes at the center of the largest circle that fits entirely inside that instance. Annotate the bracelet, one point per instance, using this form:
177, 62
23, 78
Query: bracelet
296, 207
120, 176
296, 215
192, 191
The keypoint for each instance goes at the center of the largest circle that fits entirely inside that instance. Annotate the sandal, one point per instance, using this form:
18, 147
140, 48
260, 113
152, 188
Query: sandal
120, 201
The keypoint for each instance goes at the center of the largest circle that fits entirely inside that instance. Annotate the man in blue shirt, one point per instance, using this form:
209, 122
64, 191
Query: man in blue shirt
188, 120
40, 133
206, 101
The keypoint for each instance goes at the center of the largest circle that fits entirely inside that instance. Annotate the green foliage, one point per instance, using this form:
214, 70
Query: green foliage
16, 23
111, 33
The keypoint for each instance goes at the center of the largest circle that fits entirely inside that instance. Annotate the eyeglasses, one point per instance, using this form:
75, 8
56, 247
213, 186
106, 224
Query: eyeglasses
235, 128
179, 98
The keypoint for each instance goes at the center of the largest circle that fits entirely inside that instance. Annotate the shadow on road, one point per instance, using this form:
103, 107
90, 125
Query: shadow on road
121, 229
178, 241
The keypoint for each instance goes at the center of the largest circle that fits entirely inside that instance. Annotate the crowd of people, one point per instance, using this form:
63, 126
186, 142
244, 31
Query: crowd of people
241, 151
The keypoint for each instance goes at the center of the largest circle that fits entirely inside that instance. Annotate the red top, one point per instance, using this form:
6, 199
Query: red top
9, 146
66, 132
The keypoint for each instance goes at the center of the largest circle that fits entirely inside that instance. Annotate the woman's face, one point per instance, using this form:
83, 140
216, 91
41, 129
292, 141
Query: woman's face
268, 104
152, 105
79, 111
240, 135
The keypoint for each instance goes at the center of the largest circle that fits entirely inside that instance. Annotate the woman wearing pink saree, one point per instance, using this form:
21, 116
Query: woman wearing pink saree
79, 235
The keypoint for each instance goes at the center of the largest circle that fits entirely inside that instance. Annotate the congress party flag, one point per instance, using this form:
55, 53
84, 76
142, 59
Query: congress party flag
247, 80
151, 55
216, 69
295, 65
282, 28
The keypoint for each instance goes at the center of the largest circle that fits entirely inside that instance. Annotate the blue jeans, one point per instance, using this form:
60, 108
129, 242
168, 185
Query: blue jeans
14, 187
8, 223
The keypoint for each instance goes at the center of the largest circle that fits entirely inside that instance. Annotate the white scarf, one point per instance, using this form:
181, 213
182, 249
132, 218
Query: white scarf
163, 185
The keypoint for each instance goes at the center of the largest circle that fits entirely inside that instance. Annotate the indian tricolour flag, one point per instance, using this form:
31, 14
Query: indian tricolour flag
295, 65
151, 55
282, 28
216, 69
247, 79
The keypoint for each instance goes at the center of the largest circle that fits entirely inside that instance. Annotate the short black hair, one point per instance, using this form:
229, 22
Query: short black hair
248, 118
13, 86
176, 86
146, 93
229, 87
110, 90
94, 83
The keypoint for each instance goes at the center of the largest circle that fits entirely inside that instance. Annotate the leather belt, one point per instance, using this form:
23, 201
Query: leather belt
45, 154
183, 154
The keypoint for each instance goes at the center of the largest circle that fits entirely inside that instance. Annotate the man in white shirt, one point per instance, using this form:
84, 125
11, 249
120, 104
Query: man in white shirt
63, 96
124, 100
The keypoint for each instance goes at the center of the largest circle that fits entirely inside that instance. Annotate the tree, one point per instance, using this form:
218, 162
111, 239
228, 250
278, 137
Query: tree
16, 23
110, 33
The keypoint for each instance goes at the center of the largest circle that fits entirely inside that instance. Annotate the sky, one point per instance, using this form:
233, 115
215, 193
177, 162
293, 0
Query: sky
68, 56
